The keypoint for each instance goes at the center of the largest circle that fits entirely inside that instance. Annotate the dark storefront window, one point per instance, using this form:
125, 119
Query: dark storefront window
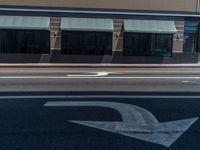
86, 43
163, 45
24, 41
73, 44
131, 44
190, 43
147, 44
191, 36
144, 44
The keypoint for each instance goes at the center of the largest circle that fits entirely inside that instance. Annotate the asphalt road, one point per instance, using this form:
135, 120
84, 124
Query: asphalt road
30, 121
185, 80
184, 85
102, 109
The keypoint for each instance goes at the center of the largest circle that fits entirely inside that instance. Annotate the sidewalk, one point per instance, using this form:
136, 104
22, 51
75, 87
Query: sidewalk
69, 65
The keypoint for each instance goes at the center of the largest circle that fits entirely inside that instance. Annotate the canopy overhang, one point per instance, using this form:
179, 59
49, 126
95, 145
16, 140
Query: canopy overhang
150, 26
25, 22
87, 24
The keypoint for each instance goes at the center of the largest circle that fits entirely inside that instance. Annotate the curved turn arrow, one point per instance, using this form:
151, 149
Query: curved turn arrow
136, 122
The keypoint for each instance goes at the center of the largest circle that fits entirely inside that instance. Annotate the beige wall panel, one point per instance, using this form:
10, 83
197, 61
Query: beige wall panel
118, 35
55, 33
171, 5
118, 45
178, 38
178, 46
56, 43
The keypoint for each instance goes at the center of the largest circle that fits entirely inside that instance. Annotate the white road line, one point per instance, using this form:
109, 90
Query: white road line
193, 82
185, 81
96, 74
81, 77
98, 96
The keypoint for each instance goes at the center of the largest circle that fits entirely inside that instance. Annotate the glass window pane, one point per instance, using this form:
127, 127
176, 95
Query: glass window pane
139, 44
4, 42
87, 43
70, 43
24, 41
144, 44
153, 45
163, 45
190, 43
127, 44
103, 43
131, 44
147, 42
191, 38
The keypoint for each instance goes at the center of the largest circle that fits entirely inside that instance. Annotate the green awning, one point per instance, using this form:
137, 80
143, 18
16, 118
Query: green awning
25, 22
87, 24
150, 26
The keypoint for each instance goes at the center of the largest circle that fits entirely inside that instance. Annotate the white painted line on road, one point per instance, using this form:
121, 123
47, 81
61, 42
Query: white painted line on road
185, 81
134, 77
193, 82
97, 74
65, 77
98, 96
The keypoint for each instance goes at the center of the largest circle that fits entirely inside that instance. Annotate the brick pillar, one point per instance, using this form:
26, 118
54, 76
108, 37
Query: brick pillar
55, 33
118, 35
178, 38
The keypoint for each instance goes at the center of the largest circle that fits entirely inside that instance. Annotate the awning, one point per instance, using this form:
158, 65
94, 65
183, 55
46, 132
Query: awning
150, 26
87, 24
25, 22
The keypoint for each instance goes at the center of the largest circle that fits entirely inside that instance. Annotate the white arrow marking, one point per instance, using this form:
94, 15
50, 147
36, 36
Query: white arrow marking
195, 82
96, 74
136, 122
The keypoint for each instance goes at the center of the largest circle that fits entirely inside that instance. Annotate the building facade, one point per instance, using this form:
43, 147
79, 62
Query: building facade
100, 31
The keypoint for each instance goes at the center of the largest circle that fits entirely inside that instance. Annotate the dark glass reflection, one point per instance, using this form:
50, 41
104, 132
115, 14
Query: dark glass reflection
190, 43
191, 36
163, 45
86, 43
146, 44
24, 41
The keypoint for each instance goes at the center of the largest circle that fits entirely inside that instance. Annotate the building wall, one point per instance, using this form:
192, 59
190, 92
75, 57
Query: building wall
178, 38
177, 46
160, 5
118, 35
55, 33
